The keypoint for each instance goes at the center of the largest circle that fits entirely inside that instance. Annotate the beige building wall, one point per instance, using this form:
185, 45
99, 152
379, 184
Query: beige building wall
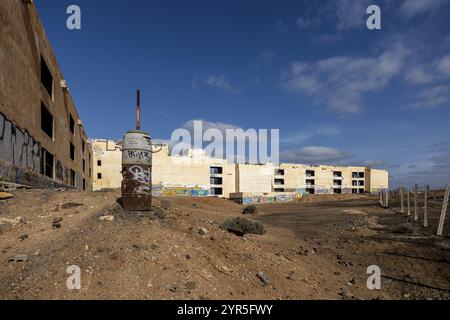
42, 139
107, 164
379, 180
253, 178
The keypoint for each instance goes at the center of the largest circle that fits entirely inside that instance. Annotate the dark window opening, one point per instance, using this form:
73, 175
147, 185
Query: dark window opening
47, 163
337, 182
354, 183
358, 175
72, 152
279, 181
310, 182
337, 174
354, 191
279, 172
83, 146
310, 191
71, 124
99, 163
216, 181
278, 190
99, 176
84, 184
310, 173
216, 170
84, 165
361, 183
361, 190
46, 120
216, 191
72, 178
337, 190
46, 77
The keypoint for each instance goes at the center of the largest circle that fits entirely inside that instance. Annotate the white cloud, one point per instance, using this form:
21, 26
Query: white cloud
220, 82
314, 155
411, 8
341, 82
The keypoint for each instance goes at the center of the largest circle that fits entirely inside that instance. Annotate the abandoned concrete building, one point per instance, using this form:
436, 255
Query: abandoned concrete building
42, 140
198, 175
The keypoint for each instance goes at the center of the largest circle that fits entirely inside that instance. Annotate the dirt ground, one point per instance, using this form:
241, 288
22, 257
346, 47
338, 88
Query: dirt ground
314, 249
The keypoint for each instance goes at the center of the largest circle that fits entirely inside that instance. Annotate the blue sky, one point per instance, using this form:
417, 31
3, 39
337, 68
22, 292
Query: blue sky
338, 92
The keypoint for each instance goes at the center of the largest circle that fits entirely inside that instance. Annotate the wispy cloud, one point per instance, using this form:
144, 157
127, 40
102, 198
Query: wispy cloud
302, 136
411, 8
341, 82
220, 82
431, 97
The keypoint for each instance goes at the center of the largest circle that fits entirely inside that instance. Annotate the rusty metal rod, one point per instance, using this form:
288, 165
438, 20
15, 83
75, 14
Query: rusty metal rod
138, 111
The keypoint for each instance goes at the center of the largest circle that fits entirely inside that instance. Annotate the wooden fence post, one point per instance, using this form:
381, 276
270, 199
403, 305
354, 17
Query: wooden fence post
409, 202
425, 207
416, 210
387, 199
444, 211
381, 198
402, 199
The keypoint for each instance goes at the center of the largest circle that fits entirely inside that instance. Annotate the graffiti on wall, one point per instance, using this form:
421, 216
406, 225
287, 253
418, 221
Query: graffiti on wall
18, 147
180, 191
269, 199
141, 178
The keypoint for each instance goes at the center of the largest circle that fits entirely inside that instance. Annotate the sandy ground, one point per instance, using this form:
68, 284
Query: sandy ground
311, 250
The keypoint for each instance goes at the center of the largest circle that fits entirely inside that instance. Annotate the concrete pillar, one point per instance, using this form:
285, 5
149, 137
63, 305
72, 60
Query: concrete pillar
409, 202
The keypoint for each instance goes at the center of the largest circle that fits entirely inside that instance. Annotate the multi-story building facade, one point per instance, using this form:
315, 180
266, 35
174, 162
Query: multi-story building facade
43, 141
198, 175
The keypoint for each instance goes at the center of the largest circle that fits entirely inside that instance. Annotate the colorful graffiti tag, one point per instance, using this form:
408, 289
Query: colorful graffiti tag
179, 191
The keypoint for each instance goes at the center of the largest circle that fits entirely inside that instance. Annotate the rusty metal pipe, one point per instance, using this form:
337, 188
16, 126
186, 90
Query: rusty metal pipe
138, 111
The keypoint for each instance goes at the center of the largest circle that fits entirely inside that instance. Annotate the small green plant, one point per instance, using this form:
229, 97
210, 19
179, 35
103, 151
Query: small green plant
241, 227
252, 209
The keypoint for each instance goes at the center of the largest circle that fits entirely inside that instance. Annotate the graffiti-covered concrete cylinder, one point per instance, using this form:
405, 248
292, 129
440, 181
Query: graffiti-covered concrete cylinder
137, 171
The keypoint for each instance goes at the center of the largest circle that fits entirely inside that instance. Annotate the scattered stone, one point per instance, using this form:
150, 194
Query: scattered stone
263, 277
174, 288
19, 258
159, 213
191, 285
106, 218
5, 195
14, 221
188, 257
69, 205
56, 225
23, 237
202, 231
57, 220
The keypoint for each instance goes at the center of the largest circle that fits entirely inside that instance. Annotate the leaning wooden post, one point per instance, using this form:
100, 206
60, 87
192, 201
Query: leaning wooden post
402, 199
381, 198
409, 202
416, 210
444, 211
425, 206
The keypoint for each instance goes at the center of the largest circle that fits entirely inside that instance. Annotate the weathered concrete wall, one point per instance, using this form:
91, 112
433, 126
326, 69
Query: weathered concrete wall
254, 178
23, 48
